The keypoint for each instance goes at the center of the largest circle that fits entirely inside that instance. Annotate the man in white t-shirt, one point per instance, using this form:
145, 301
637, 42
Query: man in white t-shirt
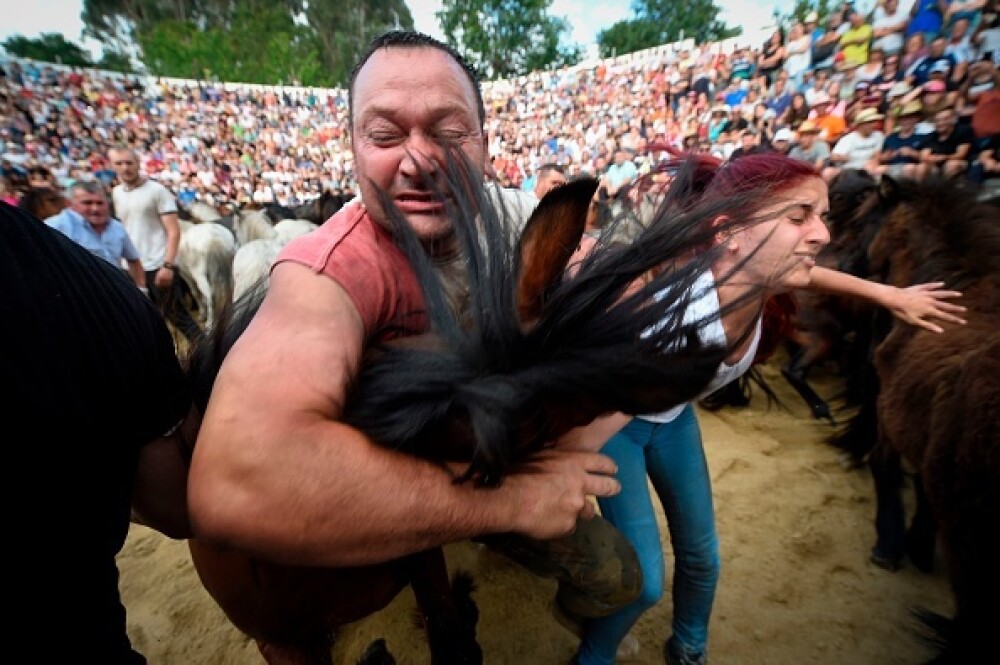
149, 212
858, 149
889, 24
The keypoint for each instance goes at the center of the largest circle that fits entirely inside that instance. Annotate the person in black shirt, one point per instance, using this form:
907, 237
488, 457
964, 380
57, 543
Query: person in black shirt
947, 149
93, 388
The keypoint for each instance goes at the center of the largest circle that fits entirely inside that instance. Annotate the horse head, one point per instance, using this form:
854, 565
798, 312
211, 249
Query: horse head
539, 351
42, 202
934, 230
535, 351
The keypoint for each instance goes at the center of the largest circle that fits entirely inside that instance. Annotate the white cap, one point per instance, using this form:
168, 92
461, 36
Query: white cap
784, 134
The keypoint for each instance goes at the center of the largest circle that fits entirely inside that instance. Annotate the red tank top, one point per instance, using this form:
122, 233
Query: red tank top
361, 256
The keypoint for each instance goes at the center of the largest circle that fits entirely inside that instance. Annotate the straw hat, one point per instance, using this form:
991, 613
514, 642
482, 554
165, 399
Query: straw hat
910, 108
867, 115
809, 127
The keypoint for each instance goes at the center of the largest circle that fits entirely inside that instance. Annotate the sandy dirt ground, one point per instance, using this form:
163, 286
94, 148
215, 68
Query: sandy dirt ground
796, 588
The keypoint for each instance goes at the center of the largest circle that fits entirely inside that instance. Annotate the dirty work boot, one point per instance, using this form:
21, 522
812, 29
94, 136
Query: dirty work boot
673, 655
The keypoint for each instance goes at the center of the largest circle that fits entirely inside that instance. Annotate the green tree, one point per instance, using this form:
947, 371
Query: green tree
823, 8
257, 41
48, 47
656, 22
266, 46
504, 38
344, 29
115, 61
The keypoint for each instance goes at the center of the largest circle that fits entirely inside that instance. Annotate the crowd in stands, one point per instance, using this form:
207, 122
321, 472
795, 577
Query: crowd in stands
889, 86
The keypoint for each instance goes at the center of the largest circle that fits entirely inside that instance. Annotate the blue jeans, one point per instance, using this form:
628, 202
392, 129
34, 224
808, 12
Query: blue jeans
671, 455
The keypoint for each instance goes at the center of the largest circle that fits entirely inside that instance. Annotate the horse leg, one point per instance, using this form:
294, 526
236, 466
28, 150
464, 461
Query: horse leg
921, 537
890, 518
795, 373
448, 612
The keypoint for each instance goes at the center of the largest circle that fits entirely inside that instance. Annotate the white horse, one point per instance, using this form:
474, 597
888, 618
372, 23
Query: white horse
252, 263
252, 225
202, 212
205, 259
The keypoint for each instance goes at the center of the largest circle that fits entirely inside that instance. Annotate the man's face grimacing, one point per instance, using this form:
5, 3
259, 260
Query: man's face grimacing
409, 104
90, 206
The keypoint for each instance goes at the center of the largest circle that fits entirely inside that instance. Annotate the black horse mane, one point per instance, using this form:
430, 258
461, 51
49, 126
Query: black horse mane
322, 207
589, 351
952, 236
504, 389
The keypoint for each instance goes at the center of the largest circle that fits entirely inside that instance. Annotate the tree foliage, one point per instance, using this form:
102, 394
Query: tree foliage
345, 27
312, 42
801, 9
504, 38
656, 22
48, 47
115, 61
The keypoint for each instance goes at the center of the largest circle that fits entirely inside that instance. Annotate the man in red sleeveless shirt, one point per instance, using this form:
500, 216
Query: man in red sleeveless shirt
275, 470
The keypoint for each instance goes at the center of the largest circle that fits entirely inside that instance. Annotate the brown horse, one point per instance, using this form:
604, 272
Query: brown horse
939, 401
534, 354
42, 202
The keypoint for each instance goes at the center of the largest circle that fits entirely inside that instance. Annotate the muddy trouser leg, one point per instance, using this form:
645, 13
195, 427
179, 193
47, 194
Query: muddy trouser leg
596, 567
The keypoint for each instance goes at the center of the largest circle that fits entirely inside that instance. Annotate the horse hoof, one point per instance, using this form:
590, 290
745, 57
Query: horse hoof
889, 563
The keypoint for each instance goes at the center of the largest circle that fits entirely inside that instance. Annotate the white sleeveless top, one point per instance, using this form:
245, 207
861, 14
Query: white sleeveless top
704, 306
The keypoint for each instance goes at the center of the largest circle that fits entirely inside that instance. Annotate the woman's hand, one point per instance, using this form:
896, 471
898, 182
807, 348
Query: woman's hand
921, 304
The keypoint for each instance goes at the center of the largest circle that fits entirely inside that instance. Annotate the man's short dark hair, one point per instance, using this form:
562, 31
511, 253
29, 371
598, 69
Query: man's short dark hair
89, 186
413, 39
548, 168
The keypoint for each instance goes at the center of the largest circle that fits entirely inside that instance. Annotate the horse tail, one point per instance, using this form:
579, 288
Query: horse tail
219, 270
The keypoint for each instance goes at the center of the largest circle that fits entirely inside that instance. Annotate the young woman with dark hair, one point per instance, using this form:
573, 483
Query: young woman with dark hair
796, 113
772, 253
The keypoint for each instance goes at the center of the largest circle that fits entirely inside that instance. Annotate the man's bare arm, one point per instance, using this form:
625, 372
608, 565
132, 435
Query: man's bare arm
275, 473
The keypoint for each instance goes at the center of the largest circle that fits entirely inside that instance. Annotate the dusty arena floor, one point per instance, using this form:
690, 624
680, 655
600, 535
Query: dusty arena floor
796, 585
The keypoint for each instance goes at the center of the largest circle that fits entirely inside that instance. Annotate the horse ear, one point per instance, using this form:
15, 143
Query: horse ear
548, 241
888, 189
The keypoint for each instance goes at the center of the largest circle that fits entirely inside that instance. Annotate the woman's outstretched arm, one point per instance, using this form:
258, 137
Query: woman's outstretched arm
918, 305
